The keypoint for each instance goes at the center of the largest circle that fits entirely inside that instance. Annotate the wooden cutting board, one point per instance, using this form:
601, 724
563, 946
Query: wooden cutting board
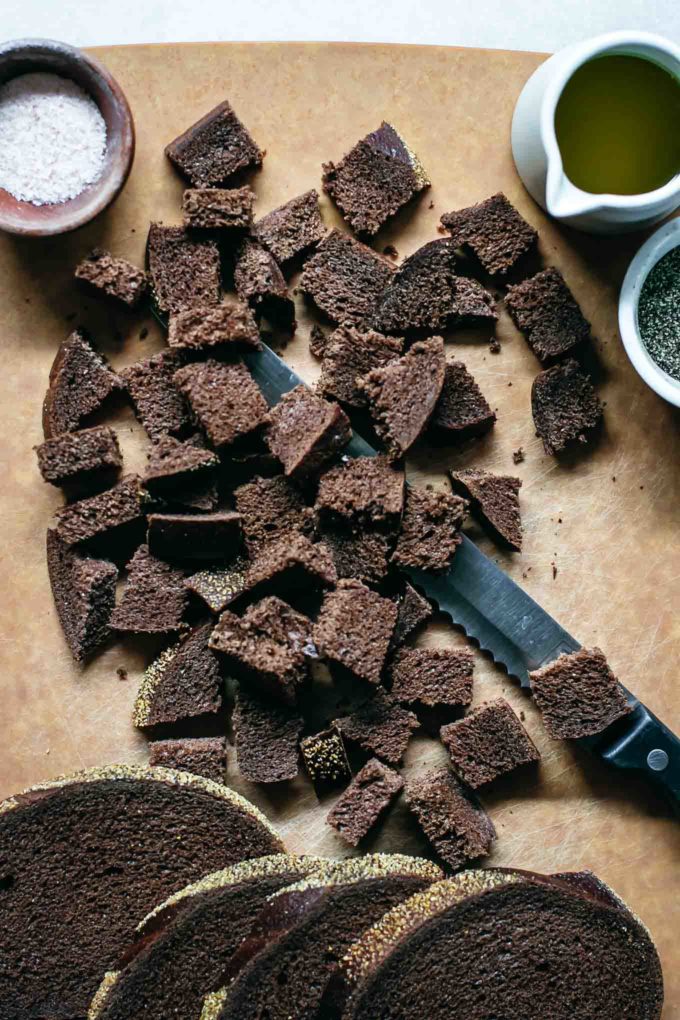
601, 552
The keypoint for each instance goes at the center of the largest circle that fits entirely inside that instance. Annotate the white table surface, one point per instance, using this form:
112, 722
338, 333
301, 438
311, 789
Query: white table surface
545, 25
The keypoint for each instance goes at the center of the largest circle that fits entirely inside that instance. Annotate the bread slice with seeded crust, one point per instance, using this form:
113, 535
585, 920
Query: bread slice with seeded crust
283, 967
85, 856
502, 943
180, 950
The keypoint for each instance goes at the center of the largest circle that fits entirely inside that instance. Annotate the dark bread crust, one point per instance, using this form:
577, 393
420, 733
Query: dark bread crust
194, 537
412, 611
84, 592
214, 148
184, 682
109, 843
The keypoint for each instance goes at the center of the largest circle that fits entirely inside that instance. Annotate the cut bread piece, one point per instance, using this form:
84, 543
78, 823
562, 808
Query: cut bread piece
493, 231
276, 669
565, 406
494, 501
354, 629
578, 695
225, 399
202, 756
451, 817
462, 410
154, 598
487, 743
218, 208
430, 530
290, 564
184, 269
80, 457
294, 945
182, 683
157, 402
114, 277
219, 586
504, 944
213, 149
306, 432
325, 759
432, 677
375, 179
270, 508
225, 327
360, 555
380, 727
412, 611
544, 310
292, 229
364, 801
362, 491
84, 592
106, 843
403, 394
106, 513
172, 465
345, 278
350, 353
195, 537
80, 381
259, 281
266, 734
182, 948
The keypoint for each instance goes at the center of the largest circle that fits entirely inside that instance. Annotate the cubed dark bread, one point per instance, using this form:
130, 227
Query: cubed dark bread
218, 208
114, 277
345, 278
182, 947
84, 593
412, 611
318, 340
158, 403
190, 537
184, 269
462, 410
107, 843
451, 817
184, 682
306, 432
259, 281
362, 490
214, 149
283, 967
271, 508
578, 695
80, 381
375, 179
426, 295
266, 734
362, 555
402, 395
291, 229
544, 310
226, 400
203, 328
487, 743
565, 406
350, 353
172, 465
275, 669
79, 456
325, 759
154, 598
430, 529
364, 801
504, 944
493, 231
202, 756
290, 563
219, 586
274, 617
380, 727
354, 628
106, 512
494, 501
432, 676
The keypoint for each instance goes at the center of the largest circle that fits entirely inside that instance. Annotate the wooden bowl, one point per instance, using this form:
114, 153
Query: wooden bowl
27, 55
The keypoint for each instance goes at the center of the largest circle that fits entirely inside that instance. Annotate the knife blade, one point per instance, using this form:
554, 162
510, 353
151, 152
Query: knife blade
507, 623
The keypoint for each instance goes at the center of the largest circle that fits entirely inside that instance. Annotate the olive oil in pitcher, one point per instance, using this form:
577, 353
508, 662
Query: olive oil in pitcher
617, 125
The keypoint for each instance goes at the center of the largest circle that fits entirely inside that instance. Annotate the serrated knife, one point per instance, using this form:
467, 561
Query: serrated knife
506, 622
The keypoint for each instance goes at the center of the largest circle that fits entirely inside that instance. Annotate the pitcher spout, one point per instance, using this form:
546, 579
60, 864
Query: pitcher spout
564, 200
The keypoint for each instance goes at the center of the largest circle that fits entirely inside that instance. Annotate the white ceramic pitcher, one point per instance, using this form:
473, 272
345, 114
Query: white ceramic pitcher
537, 156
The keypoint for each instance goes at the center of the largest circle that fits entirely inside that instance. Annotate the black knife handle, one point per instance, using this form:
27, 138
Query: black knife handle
646, 744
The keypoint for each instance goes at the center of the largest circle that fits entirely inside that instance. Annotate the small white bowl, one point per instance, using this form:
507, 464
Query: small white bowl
654, 248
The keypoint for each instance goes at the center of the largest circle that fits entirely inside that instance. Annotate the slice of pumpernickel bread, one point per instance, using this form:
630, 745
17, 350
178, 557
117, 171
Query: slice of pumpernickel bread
345, 278
462, 410
182, 948
192, 537
578, 695
172, 465
80, 457
291, 229
354, 628
184, 269
154, 598
218, 586
86, 856
430, 530
350, 353
80, 381
403, 394
451, 817
282, 970
494, 501
432, 677
157, 402
275, 668
306, 432
202, 756
494, 231
84, 592
565, 406
325, 759
214, 148
488, 742
504, 944
182, 683
364, 801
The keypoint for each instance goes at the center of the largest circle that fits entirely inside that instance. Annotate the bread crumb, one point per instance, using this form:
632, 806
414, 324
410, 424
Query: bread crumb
518, 455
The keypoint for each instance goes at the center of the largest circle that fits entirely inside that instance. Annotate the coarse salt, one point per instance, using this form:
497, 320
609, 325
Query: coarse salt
52, 139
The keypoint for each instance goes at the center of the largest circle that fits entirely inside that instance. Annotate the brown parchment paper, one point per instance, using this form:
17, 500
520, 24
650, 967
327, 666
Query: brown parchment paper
607, 521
